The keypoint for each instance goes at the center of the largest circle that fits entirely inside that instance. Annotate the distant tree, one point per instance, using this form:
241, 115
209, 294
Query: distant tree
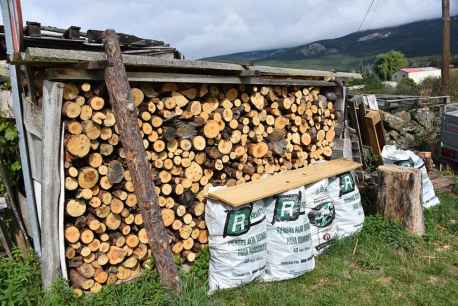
388, 63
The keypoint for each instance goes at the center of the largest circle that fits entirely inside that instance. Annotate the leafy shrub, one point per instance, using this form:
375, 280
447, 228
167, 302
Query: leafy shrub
9, 153
20, 279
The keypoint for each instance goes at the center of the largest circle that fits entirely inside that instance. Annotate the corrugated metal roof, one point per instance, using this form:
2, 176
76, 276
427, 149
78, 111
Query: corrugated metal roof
419, 69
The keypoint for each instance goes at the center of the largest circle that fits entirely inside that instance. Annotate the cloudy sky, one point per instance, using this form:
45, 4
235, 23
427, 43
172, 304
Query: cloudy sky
200, 28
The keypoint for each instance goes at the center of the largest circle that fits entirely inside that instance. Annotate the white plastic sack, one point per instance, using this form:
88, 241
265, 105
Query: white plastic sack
321, 214
237, 243
404, 158
289, 244
347, 199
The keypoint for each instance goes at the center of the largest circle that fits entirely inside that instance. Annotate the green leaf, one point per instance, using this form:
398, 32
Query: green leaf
11, 134
16, 166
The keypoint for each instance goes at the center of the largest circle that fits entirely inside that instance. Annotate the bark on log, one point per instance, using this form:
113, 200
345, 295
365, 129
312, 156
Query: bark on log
399, 197
139, 167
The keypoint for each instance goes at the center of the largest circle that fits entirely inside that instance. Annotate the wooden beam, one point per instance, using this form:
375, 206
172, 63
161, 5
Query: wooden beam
55, 56
43, 56
267, 70
50, 182
77, 74
242, 194
139, 167
348, 76
285, 81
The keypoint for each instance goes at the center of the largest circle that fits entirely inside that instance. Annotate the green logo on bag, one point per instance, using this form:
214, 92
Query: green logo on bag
237, 221
347, 183
323, 214
287, 208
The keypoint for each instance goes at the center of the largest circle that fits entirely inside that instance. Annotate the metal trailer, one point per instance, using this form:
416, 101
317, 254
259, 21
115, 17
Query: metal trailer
449, 134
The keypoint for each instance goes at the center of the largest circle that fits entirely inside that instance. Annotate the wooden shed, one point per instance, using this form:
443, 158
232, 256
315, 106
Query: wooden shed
247, 121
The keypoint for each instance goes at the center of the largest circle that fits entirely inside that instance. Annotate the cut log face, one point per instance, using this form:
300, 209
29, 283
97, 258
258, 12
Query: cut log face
88, 177
78, 145
195, 137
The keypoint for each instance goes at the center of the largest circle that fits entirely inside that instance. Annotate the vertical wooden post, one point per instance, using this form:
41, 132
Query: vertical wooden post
445, 47
139, 167
50, 190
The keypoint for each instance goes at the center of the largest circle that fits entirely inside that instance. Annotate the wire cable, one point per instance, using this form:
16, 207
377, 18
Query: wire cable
367, 14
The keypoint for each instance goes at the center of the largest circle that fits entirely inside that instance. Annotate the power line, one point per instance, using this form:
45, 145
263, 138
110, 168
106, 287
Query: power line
365, 16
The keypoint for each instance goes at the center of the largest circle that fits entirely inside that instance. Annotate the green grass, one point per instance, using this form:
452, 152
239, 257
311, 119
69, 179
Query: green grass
383, 265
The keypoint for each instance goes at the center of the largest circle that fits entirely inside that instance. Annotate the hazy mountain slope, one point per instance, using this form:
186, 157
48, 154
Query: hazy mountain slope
418, 39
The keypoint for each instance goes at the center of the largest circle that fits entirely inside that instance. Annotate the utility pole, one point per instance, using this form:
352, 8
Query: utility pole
445, 47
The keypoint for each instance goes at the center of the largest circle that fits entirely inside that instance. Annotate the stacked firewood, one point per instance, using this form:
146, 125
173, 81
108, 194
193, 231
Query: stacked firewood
195, 136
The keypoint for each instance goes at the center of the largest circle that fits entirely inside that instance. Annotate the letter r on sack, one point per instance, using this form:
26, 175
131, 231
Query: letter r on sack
239, 223
287, 208
347, 184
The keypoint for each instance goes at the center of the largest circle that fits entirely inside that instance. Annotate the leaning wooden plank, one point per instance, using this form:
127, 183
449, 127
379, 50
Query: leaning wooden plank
52, 105
43, 55
239, 195
4, 241
140, 170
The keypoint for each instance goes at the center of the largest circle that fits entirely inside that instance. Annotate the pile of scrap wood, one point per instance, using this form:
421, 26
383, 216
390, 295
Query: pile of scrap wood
195, 136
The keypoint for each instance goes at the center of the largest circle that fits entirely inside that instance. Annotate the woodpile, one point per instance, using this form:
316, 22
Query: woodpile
196, 136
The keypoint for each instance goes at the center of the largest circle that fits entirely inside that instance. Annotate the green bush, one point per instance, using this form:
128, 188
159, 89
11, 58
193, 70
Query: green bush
388, 63
9, 152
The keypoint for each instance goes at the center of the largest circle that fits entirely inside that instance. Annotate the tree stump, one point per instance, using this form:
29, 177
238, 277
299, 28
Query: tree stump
399, 197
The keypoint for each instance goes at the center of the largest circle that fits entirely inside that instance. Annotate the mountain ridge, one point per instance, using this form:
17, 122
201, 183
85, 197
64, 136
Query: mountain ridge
416, 39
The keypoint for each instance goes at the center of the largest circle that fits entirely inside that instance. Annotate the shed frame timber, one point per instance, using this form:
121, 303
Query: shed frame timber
89, 65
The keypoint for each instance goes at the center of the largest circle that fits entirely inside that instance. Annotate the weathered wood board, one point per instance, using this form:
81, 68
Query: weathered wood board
239, 195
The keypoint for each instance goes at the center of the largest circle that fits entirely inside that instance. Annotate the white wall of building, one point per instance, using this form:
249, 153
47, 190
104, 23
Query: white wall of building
417, 76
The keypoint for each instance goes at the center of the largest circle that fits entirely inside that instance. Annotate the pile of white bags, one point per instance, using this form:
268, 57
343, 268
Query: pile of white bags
237, 243
278, 237
289, 244
404, 158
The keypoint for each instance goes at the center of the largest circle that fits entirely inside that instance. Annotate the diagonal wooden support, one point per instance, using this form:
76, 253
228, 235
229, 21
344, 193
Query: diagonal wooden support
139, 167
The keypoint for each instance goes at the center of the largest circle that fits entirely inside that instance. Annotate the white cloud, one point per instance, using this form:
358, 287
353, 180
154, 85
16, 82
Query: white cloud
202, 28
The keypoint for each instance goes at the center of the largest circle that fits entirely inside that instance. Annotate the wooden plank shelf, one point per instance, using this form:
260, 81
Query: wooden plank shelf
237, 196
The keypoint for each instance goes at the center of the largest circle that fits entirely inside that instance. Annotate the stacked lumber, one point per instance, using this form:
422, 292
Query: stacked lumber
195, 136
